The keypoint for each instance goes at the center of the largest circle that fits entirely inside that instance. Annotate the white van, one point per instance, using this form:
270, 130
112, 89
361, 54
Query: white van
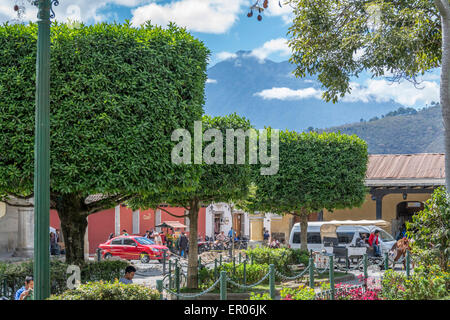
347, 236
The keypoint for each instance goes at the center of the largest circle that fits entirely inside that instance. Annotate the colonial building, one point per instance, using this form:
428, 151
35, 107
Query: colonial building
219, 218
398, 186
17, 225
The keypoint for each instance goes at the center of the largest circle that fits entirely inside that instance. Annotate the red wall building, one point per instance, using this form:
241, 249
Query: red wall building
103, 223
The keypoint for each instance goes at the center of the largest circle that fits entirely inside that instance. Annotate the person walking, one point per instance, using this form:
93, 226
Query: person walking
157, 239
53, 250
183, 244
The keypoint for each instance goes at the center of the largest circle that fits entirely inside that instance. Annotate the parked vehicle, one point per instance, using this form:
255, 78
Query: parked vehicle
348, 233
133, 248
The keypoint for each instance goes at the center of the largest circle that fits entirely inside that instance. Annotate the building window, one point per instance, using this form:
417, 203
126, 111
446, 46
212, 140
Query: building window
313, 238
345, 237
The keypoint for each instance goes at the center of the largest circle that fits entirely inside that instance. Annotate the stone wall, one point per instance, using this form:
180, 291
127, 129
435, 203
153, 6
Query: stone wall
9, 225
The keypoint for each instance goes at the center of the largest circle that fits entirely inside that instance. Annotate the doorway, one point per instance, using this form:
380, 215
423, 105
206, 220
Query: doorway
216, 223
237, 224
405, 211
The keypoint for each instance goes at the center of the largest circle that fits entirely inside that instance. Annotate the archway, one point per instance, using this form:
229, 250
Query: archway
405, 211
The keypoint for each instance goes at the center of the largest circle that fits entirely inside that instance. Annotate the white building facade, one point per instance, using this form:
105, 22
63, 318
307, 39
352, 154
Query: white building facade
218, 218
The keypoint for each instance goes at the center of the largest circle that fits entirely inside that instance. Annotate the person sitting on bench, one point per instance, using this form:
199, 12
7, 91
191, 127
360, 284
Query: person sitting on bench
373, 242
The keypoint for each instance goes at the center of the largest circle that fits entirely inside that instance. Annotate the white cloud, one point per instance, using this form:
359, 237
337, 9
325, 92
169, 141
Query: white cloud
404, 92
276, 45
211, 81
209, 16
433, 76
289, 94
285, 11
80, 10
358, 54
373, 90
224, 55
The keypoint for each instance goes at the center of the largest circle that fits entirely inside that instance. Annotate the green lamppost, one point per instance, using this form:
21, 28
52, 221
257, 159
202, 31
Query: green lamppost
42, 153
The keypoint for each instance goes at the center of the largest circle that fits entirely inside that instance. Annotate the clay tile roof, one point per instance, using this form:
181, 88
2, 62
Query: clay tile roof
406, 166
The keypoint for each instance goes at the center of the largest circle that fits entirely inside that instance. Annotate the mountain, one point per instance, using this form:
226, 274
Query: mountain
233, 85
418, 132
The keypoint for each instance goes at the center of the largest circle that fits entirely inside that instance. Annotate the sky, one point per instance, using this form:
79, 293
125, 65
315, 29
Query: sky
224, 27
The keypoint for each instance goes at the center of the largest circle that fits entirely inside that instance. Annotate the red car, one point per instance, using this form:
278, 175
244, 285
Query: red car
133, 248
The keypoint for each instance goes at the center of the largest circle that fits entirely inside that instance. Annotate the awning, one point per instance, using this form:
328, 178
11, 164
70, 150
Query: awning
171, 224
328, 228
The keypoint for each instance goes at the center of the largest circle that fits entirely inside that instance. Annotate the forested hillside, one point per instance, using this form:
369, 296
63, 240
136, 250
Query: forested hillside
403, 131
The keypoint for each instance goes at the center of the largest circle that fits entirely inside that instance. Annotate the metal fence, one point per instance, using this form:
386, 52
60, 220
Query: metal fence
8, 288
175, 277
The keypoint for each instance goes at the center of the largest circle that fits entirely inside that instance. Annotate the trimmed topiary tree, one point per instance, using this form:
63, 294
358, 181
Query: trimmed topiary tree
219, 182
316, 171
117, 94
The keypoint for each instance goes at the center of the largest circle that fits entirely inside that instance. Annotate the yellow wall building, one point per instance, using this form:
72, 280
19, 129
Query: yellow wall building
398, 186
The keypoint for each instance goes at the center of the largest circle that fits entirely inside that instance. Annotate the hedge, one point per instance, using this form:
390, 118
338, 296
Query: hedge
108, 291
281, 257
12, 276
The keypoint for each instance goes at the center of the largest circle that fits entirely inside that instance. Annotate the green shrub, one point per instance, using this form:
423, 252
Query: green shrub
106, 270
281, 257
13, 275
260, 296
430, 230
300, 293
254, 273
300, 256
426, 283
108, 291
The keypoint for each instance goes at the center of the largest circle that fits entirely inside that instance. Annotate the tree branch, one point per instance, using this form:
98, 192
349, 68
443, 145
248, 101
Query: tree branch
173, 215
21, 197
106, 203
19, 205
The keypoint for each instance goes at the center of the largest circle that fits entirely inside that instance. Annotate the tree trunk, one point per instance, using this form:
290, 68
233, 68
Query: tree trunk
72, 213
304, 229
192, 276
445, 84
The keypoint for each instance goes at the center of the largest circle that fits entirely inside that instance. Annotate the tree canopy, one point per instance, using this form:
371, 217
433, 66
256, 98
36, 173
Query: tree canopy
316, 171
398, 39
219, 181
338, 40
117, 94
